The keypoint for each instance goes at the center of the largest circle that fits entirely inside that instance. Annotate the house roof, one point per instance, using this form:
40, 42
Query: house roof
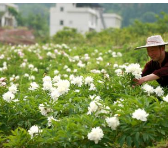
88, 5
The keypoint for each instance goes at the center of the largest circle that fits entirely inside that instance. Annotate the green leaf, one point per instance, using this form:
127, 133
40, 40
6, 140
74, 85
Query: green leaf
129, 140
122, 140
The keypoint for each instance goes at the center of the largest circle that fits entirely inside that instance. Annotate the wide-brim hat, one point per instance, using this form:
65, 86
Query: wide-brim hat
155, 40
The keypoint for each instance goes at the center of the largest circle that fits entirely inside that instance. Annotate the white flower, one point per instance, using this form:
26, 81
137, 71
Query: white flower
96, 134
33, 86
56, 72
56, 78
92, 87
75, 70
23, 65
44, 109
80, 64
26, 75
115, 65
8, 96
13, 88
140, 114
77, 80
119, 72
95, 71
68, 70
31, 77
148, 89
88, 80
55, 94
47, 85
135, 70
50, 119
62, 86
114, 54
159, 91
112, 122
93, 107
34, 130
31, 66
165, 98
47, 79
119, 54
99, 59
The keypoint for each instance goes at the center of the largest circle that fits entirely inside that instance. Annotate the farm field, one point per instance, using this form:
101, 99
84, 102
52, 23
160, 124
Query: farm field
56, 95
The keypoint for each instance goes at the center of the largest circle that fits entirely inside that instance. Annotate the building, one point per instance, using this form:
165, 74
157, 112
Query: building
82, 16
6, 18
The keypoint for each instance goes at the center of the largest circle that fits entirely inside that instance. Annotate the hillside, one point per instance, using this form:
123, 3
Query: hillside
144, 12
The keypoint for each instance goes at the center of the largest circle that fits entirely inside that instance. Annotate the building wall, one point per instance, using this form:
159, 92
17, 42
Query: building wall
112, 20
7, 19
82, 18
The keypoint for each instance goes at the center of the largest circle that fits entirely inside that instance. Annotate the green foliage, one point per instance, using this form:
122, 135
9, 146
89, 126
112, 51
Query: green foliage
68, 35
71, 122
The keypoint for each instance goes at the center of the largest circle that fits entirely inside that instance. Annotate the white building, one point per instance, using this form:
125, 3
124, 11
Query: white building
7, 19
82, 16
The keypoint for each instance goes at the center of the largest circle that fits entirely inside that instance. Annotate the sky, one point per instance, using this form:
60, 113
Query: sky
85, 1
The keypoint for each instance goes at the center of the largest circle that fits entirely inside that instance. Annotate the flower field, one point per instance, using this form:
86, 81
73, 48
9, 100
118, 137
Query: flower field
53, 95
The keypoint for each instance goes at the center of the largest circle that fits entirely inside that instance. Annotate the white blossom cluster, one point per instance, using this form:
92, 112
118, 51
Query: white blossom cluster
10, 95
140, 114
113, 122
44, 109
134, 69
165, 98
5, 67
96, 134
96, 107
2, 81
33, 86
34, 130
150, 90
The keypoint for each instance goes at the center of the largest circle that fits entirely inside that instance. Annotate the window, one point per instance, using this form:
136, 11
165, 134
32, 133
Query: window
62, 9
61, 22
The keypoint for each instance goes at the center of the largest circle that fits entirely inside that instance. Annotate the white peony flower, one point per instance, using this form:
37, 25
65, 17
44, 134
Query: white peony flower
44, 110
33, 86
96, 134
99, 59
50, 119
119, 72
77, 80
47, 79
56, 78
8, 96
31, 77
34, 130
95, 71
115, 65
88, 80
47, 85
134, 69
55, 94
148, 89
93, 107
80, 64
159, 91
112, 122
62, 86
56, 72
165, 98
140, 114
13, 88
92, 87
